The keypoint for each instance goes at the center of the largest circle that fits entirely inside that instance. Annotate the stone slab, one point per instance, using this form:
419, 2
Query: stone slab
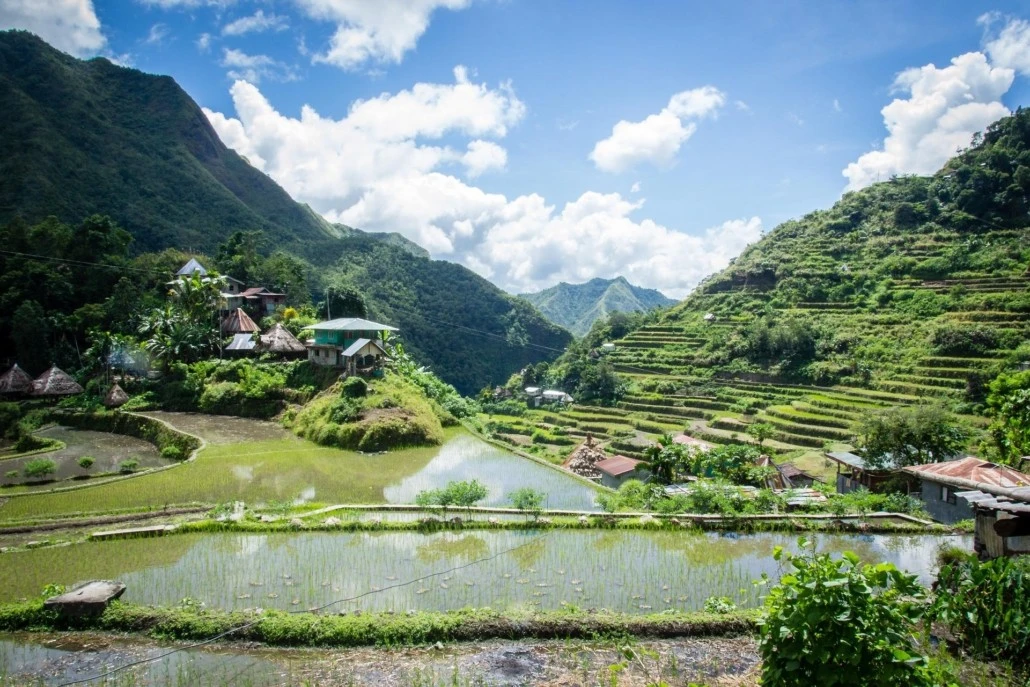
86, 599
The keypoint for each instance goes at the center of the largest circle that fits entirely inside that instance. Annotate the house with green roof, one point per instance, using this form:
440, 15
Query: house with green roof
356, 345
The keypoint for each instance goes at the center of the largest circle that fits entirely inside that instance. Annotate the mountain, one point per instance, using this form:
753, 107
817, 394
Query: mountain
79, 138
577, 306
914, 289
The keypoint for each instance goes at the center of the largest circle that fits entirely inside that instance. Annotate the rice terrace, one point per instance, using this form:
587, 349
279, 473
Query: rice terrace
465, 343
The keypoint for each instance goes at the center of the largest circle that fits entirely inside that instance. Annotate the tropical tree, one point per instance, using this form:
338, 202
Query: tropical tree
1008, 403
664, 459
761, 431
528, 500
898, 437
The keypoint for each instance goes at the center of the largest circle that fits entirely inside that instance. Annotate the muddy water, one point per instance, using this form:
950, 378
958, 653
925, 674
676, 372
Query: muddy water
222, 429
107, 450
630, 571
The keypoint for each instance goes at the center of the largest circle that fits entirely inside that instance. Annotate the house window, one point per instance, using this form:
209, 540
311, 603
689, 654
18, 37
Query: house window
948, 496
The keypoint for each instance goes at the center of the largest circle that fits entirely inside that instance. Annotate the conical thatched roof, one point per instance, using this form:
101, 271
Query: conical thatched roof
55, 382
239, 322
278, 339
15, 381
116, 396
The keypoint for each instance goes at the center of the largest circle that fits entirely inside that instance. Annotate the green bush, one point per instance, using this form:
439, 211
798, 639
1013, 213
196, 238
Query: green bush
86, 462
986, 605
10, 413
171, 453
127, 467
834, 622
39, 468
354, 387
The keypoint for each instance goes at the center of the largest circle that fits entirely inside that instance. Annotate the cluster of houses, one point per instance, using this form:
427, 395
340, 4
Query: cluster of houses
996, 497
352, 344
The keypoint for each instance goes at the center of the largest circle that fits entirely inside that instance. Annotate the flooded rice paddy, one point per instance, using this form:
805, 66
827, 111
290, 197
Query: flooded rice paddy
291, 469
107, 450
636, 572
218, 430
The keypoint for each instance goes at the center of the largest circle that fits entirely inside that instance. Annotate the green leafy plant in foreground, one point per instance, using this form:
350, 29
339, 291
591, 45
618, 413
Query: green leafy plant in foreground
835, 622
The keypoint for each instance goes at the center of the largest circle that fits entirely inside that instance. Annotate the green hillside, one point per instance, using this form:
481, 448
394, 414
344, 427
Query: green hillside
79, 138
577, 306
912, 290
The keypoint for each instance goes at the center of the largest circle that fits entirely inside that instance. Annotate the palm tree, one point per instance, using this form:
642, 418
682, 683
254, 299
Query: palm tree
663, 459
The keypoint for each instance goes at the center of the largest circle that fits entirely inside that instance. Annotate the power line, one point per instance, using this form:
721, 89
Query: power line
254, 622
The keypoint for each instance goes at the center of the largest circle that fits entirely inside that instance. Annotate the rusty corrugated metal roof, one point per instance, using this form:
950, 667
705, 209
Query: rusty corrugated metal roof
617, 465
974, 470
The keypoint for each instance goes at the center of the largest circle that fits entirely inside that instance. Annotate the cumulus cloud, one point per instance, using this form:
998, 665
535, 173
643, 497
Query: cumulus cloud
382, 167
255, 23
255, 68
187, 4
940, 110
68, 25
1011, 46
658, 137
483, 156
157, 34
381, 31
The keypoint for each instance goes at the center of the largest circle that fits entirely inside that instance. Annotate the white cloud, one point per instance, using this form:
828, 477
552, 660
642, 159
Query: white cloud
940, 110
254, 68
380, 31
157, 34
255, 23
186, 4
1011, 47
742, 106
635, 188
483, 156
836, 106
658, 137
204, 42
68, 25
380, 168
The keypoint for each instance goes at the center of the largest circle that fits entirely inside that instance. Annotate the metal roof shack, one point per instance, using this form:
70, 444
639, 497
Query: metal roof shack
617, 465
351, 324
970, 471
853, 472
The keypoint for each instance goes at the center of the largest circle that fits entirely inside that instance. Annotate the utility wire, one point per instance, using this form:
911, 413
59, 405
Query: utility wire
254, 622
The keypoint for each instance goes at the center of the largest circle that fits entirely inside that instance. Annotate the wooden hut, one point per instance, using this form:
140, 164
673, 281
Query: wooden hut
55, 382
116, 396
239, 322
15, 382
280, 341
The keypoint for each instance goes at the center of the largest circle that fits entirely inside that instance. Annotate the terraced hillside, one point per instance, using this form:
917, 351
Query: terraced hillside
913, 289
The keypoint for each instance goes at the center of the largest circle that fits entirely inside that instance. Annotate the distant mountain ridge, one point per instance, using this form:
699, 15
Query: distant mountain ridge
79, 138
577, 306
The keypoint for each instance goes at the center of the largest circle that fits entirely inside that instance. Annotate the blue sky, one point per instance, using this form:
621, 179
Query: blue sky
538, 141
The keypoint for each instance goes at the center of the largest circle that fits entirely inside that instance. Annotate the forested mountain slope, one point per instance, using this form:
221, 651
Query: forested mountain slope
577, 306
913, 289
79, 138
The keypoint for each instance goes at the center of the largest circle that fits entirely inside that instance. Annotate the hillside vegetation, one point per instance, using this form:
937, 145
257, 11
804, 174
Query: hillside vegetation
88, 144
912, 290
577, 306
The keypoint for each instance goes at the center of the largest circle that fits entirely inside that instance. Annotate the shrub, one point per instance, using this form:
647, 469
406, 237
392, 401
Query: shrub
720, 605
832, 622
987, 606
12, 474
128, 466
86, 462
354, 387
527, 500
39, 468
171, 453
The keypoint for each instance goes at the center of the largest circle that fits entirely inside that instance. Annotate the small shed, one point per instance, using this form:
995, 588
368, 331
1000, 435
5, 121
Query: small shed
853, 473
796, 477
618, 469
365, 357
116, 396
280, 341
607, 348
55, 382
555, 396
942, 483
190, 267
241, 344
691, 442
239, 322
1002, 519
15, 382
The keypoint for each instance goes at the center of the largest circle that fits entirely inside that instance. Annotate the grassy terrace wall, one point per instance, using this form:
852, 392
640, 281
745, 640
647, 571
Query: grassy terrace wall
148, 429
327, 629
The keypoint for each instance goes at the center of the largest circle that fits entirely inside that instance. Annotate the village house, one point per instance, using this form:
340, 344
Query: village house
853, 473
258, 300
619, 469
354, 344
947, 488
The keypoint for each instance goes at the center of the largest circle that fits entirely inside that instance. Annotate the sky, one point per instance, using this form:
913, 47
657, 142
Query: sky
538, 141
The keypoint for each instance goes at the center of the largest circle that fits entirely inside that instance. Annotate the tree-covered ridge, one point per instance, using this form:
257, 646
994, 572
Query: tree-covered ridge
577, 306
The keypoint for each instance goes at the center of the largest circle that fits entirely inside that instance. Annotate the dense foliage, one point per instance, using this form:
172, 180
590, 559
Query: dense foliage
1008, 404
837, 622
577, 307
910, 436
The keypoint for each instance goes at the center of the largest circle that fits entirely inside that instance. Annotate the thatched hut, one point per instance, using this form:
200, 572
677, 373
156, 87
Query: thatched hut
55, 382
116, 396
15, 382
280, 341
239, 322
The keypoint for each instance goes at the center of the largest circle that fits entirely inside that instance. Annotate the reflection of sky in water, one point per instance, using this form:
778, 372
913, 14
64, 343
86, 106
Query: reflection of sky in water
465, 457
306, 495
632, 571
